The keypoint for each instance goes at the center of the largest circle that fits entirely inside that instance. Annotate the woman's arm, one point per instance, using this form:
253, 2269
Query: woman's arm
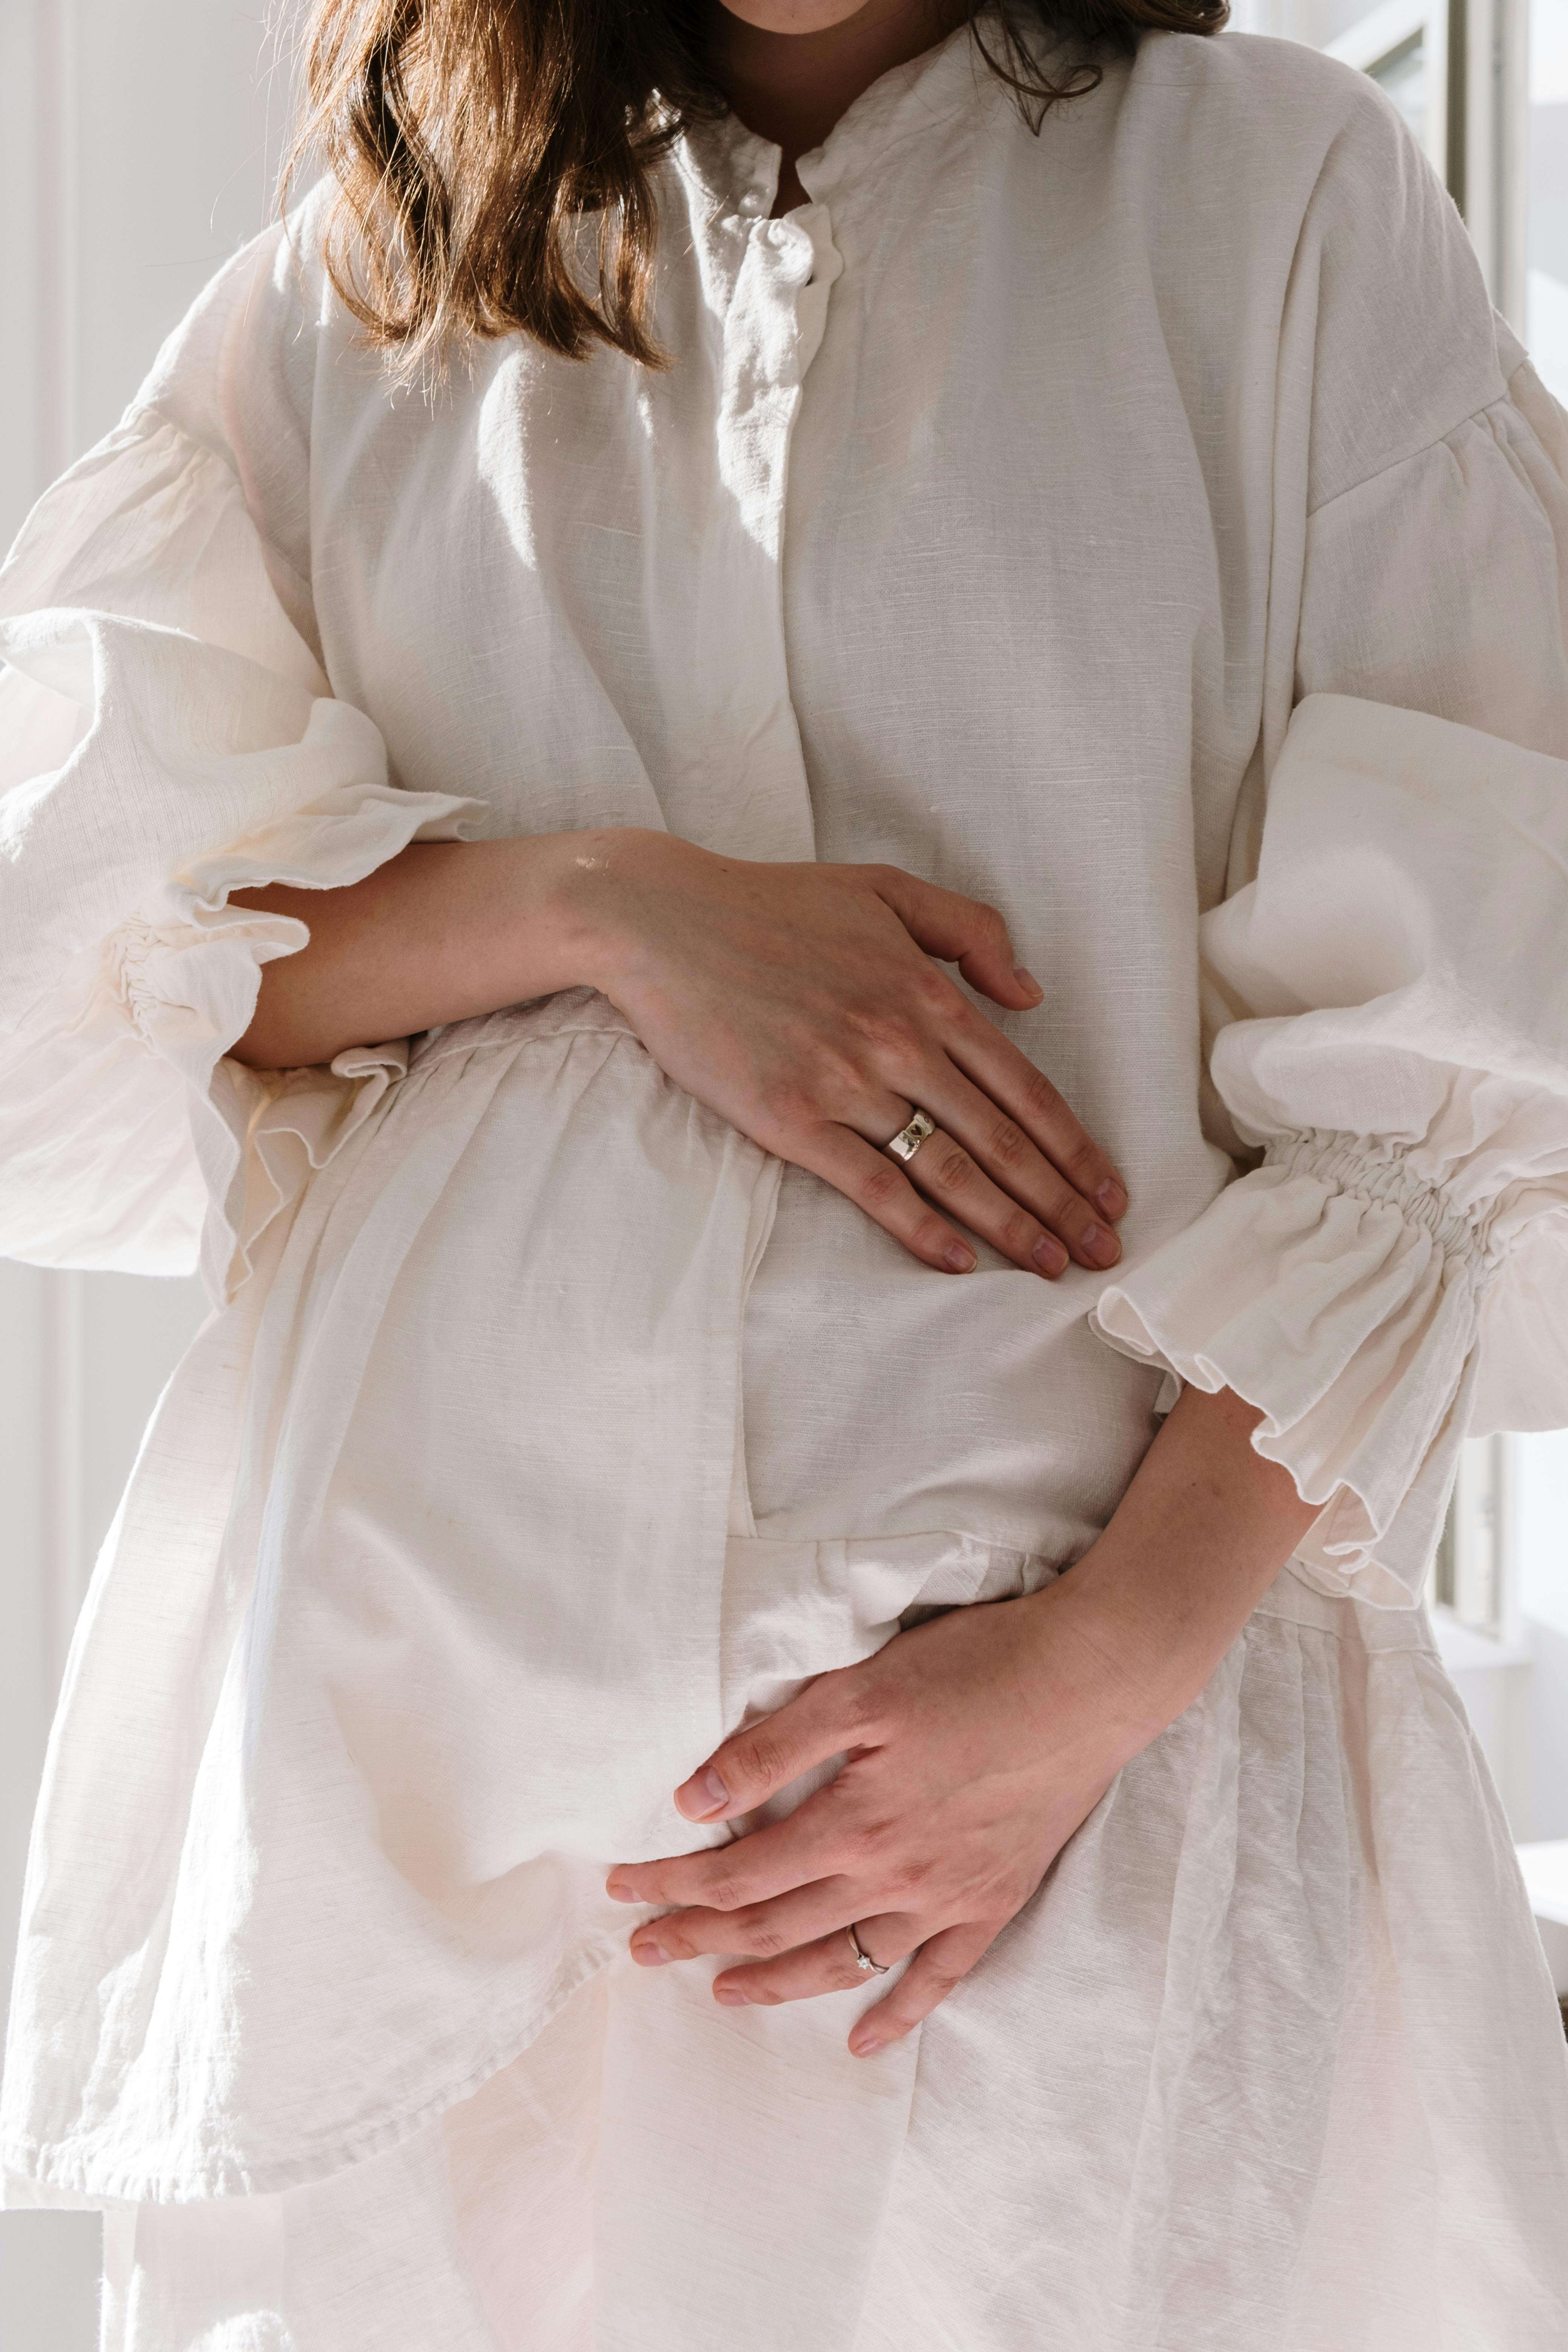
801, 1003
976, 1744
445, 931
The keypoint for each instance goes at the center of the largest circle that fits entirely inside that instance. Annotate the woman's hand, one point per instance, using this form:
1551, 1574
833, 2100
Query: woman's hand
799, 1001
974, 1745
802, 1003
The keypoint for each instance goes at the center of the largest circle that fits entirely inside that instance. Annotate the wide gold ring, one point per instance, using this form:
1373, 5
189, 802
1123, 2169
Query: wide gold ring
908, 1141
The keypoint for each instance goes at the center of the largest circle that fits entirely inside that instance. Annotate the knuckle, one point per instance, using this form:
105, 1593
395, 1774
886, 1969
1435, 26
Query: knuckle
859, 1709
1018, 1235
868, 1841
881, 1186
953, 1169
767, 1942
1083, 1160
886, 1031
1041, 1098
931, 1237
1065, 1212
934, 988
757, 1759
728, 1895
1009, 1146
786, 1107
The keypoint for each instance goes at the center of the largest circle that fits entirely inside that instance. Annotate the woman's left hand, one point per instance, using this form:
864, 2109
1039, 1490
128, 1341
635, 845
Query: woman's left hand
974, 1746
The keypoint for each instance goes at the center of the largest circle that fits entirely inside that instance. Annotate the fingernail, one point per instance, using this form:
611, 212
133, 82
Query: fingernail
1049, 1255
618, 1891
861, 2044
649, 1955
960, 1259
703, 1794
1026, 980
1112, 1197
730, 1995
1099, 1247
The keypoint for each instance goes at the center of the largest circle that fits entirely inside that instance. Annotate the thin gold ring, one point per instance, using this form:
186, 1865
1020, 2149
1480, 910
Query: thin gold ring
863, 1960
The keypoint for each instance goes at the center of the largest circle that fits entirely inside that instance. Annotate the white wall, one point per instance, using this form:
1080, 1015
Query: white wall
138, 143
1546, 297
139, 140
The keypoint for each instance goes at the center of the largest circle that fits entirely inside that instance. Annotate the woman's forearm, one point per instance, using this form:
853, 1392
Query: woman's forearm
1199, 1535
801, 1002
441, 932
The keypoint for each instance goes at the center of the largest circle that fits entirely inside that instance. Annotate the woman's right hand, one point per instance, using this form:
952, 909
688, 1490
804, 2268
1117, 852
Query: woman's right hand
803, 1004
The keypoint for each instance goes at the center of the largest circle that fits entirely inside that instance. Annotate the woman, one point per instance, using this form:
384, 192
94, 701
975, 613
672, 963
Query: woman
885, 495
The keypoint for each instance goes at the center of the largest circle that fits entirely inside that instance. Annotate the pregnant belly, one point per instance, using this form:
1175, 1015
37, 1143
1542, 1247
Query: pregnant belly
510, 1434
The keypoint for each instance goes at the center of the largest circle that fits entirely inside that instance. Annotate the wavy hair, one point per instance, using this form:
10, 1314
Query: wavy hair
493, 157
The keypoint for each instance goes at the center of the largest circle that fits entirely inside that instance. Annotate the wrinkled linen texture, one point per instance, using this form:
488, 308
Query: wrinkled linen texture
1146, 526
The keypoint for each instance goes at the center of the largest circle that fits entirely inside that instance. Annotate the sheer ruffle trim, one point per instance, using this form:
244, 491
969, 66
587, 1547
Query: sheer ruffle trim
1339, 1292
1390, 1032
169, 737
187, 969
124, 1124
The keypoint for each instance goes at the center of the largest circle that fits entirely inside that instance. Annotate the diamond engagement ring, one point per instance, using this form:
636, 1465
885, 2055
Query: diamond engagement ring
863, 1960
905, 1145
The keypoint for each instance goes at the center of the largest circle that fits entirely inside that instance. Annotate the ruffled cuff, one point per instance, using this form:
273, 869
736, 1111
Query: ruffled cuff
186, 970
1338, 1291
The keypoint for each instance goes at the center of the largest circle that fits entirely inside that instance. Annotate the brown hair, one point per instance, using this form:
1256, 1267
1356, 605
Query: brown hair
472, 140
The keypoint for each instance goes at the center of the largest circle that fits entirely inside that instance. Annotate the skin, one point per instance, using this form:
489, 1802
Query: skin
791, 67
807, 1005
974, 1745
799, 1001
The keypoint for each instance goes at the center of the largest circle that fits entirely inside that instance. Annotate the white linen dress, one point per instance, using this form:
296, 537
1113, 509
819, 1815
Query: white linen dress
1145, 526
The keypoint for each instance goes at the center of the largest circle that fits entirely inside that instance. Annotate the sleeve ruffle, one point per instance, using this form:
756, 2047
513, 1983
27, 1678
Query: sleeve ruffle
167, 738
1392, 1278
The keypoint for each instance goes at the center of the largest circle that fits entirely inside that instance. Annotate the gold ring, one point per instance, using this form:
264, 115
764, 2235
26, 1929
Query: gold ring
863, 1960
909, 1140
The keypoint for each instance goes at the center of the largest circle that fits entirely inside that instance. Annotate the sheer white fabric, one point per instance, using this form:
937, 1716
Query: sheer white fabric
165, 738
1393, 1032
545, 1428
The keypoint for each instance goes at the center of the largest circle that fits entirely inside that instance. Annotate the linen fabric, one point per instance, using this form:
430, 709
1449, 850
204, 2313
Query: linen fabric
1107, 523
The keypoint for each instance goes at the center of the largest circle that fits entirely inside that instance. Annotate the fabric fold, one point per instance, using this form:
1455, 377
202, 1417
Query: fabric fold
1373, 1286
153, 675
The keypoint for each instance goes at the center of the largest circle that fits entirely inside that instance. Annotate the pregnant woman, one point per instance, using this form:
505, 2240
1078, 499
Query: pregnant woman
802, 788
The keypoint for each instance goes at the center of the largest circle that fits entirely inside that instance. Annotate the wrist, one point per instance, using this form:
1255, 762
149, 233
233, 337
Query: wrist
568, 904
1138, 1686
1202, 1532
592, 887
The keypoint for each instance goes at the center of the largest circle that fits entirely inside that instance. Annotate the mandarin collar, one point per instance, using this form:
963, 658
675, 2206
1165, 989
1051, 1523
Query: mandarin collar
738, 173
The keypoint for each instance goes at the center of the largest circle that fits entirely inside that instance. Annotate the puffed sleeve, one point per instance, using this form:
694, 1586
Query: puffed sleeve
1389, 1009
167, 737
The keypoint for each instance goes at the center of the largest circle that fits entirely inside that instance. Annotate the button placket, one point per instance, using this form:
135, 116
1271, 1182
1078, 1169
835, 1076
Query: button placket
767, 345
